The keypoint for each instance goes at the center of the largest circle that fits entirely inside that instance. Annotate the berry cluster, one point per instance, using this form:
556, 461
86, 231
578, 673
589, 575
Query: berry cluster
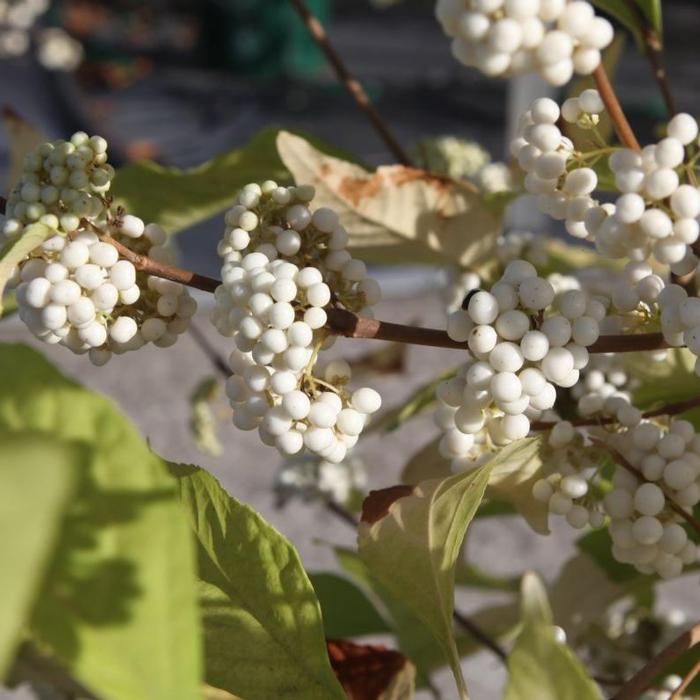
74, 290
567, 489
553, 167
507, 37
283, 266
644, 530
680, 319
520, 349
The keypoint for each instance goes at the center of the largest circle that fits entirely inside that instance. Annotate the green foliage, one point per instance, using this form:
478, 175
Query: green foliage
646, 13
118, 605
177, 199
515, 469
203, 422
18, 248
45, 468
412, 550
262, 621
347, 611
539, 666
663, 382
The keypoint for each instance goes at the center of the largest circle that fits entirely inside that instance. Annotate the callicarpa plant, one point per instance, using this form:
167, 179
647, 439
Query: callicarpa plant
573, 402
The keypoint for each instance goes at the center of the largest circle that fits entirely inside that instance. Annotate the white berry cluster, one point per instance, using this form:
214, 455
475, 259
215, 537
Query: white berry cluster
522, 245
554, 38
680, 319
458, 158
458, 284
523, 342
644, 530
17, 18
310, 478
75, 290
284, 265
563, 188
566, 490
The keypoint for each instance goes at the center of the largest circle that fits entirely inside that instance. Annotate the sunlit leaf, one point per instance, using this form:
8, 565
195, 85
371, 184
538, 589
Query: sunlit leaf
426, 464
263, 630
411, 545
39, 470
396, 214
674, 379
16, 250
22, 138
118, 605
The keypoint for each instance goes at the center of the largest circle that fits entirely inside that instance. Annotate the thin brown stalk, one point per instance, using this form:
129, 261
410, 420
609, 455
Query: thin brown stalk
687, 680
614, 108
635, 686
351, 84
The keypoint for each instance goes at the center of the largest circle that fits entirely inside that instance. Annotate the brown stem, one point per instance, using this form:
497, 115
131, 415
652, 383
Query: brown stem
641, 680
625, 464
670, 409
351, 84
614, 108
655, 54
480, 636
687, 680
217, 360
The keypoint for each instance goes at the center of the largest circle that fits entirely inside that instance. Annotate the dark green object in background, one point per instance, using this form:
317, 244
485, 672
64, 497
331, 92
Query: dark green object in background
261, 37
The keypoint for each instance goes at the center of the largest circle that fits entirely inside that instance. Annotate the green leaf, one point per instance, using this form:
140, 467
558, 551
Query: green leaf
203, 422
397, 214
515, 469
39, 470
625, 15
539, 666
118, 607
262, 621
674, 379
17, 249
413, 548
347, 611
421, 400
653, 13
177, 199
426, 464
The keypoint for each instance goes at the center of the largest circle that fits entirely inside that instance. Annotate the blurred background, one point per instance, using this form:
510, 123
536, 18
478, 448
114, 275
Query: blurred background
180, 81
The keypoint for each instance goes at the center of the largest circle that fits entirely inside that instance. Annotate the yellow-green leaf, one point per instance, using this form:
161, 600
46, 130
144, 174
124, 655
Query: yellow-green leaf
413, 548
22, 138
539, 666
262, 621
41, 471
17, 249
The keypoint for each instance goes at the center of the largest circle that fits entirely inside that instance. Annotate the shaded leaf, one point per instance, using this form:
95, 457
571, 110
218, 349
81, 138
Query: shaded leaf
262, 621
412, 550
347, 611
118, 606
371, 672
674, 379
539, 666
22, 138
17, 249
625, 15
40, 470
203, 423
426, 464
515, 469
403, 213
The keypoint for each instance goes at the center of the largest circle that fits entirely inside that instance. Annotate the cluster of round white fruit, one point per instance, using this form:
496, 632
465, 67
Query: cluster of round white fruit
74, 289
283, 266
522, 245
554, 38
680, 319
552, 166
644, 530
604, 380
566, 491
520, 349
17, 18
310, 478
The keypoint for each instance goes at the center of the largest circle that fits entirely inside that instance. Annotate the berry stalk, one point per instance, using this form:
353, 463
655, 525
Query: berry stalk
614, 108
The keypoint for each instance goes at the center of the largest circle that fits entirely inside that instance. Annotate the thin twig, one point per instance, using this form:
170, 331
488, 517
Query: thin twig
614, 109
654, 50
669, 409
341, 513
352, 85
687, 680
641, 680
475, 631
625, 464
217, 360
